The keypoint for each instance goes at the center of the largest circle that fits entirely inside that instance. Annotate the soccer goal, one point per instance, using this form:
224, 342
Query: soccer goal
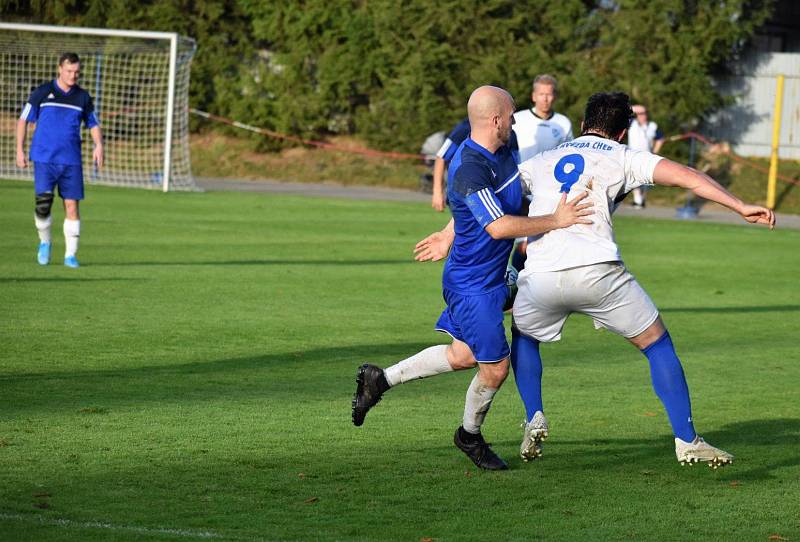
140, 85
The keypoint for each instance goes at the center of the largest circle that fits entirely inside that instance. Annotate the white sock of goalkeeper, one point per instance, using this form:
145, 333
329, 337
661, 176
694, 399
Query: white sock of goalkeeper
43, 227
479, 399
72, 232
431, 361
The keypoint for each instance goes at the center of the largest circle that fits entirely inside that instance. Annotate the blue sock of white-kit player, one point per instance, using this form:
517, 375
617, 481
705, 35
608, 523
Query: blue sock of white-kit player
527, 365
669, 384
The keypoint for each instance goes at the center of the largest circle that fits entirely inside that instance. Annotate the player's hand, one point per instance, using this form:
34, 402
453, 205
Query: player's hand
22, 162
437, 200
97, 156
572, 212
755, 214
433, 248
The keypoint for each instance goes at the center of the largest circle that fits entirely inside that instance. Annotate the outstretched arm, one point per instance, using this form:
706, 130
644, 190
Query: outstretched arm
565, 215
669, 173
436, 246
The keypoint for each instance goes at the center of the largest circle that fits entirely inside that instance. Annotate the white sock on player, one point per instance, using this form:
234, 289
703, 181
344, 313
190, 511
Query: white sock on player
72, 232
479, 399
638, 196
431, 361
43, 227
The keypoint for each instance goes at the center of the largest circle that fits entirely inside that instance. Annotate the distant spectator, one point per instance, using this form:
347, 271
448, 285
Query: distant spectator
643, 135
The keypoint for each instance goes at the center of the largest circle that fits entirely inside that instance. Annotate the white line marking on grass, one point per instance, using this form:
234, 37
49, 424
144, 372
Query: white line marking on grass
60, 522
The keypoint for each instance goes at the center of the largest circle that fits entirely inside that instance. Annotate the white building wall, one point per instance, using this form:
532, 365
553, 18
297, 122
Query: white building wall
747, 124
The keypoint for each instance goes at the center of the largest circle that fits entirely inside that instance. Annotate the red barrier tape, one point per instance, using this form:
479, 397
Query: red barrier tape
320, 144
405, 156
733, 155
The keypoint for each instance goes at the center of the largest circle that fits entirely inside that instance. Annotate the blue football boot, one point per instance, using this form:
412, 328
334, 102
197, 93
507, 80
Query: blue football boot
71, 261
43, 257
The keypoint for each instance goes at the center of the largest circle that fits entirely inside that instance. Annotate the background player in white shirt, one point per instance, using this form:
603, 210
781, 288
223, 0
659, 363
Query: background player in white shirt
540, 128
643, 135
579, 269
536, 130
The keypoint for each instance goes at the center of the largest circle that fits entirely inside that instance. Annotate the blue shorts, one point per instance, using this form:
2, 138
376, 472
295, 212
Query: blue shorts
69, 179
477, 320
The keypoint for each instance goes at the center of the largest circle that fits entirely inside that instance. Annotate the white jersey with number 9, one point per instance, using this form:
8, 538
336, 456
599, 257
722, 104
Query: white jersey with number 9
607, 170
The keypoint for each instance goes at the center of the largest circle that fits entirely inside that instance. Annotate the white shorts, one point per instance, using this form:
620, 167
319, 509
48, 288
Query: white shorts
605, 291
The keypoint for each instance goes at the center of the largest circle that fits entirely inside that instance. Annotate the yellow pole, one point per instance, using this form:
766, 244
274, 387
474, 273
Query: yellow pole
776, 137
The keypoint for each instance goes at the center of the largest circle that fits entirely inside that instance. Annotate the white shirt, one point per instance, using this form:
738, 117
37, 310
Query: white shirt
607, 170
641, 138
535, 135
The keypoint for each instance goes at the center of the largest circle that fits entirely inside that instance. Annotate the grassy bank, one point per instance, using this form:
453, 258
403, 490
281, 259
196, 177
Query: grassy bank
215, 155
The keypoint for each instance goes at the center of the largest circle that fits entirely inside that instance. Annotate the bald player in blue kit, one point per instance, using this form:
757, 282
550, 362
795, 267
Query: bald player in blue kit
485, 196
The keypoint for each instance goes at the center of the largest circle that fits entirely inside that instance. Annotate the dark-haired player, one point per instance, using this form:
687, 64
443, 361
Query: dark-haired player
579, 269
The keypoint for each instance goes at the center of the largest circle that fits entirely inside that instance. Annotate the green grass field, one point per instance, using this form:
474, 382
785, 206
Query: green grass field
193, 381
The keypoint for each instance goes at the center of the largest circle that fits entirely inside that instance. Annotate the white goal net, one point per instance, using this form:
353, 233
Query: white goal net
140, 85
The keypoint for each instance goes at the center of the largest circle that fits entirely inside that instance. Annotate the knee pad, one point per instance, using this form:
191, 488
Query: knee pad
44, 203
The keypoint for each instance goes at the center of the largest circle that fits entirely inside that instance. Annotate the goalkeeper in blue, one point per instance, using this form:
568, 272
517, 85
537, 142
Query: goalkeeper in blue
579, 269
485, 197
58, 108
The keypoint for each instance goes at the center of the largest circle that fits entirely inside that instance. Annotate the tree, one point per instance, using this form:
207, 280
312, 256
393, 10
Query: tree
395, 72
219, 26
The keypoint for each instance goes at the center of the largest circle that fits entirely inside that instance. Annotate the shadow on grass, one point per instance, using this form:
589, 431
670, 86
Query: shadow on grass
765, 308
259, 262
760, 447
315, 374
68, 279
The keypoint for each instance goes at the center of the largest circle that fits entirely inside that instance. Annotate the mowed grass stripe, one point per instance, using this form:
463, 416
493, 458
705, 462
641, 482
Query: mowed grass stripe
197, 372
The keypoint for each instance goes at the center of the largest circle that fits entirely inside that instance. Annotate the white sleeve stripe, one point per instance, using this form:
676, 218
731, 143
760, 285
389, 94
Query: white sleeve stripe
489, 209
490, 198
489, 203
25, 111
508, 182
444, 147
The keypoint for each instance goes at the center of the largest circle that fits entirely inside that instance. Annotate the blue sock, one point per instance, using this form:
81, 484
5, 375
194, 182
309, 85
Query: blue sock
669, 384
527, 365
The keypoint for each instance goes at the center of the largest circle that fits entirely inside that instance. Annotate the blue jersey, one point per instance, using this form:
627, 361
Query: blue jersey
454, 140
58, 116
483, 187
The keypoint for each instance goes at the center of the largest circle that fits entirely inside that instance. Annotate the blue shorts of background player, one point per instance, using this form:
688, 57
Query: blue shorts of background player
68, 178
477, 320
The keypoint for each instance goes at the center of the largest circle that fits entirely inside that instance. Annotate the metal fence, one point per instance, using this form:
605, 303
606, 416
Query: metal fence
747, 124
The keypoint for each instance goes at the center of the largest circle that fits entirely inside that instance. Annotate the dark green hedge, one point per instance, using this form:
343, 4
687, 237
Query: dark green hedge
393, 72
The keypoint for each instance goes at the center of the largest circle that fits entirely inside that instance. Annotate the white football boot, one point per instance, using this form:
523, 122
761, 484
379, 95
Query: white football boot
535, 432
699, 450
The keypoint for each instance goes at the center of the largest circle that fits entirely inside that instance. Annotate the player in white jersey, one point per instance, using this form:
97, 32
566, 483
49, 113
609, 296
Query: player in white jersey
540, 128
536, 130
579, 269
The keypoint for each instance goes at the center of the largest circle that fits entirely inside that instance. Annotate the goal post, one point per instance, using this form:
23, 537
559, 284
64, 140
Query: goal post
139, 81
